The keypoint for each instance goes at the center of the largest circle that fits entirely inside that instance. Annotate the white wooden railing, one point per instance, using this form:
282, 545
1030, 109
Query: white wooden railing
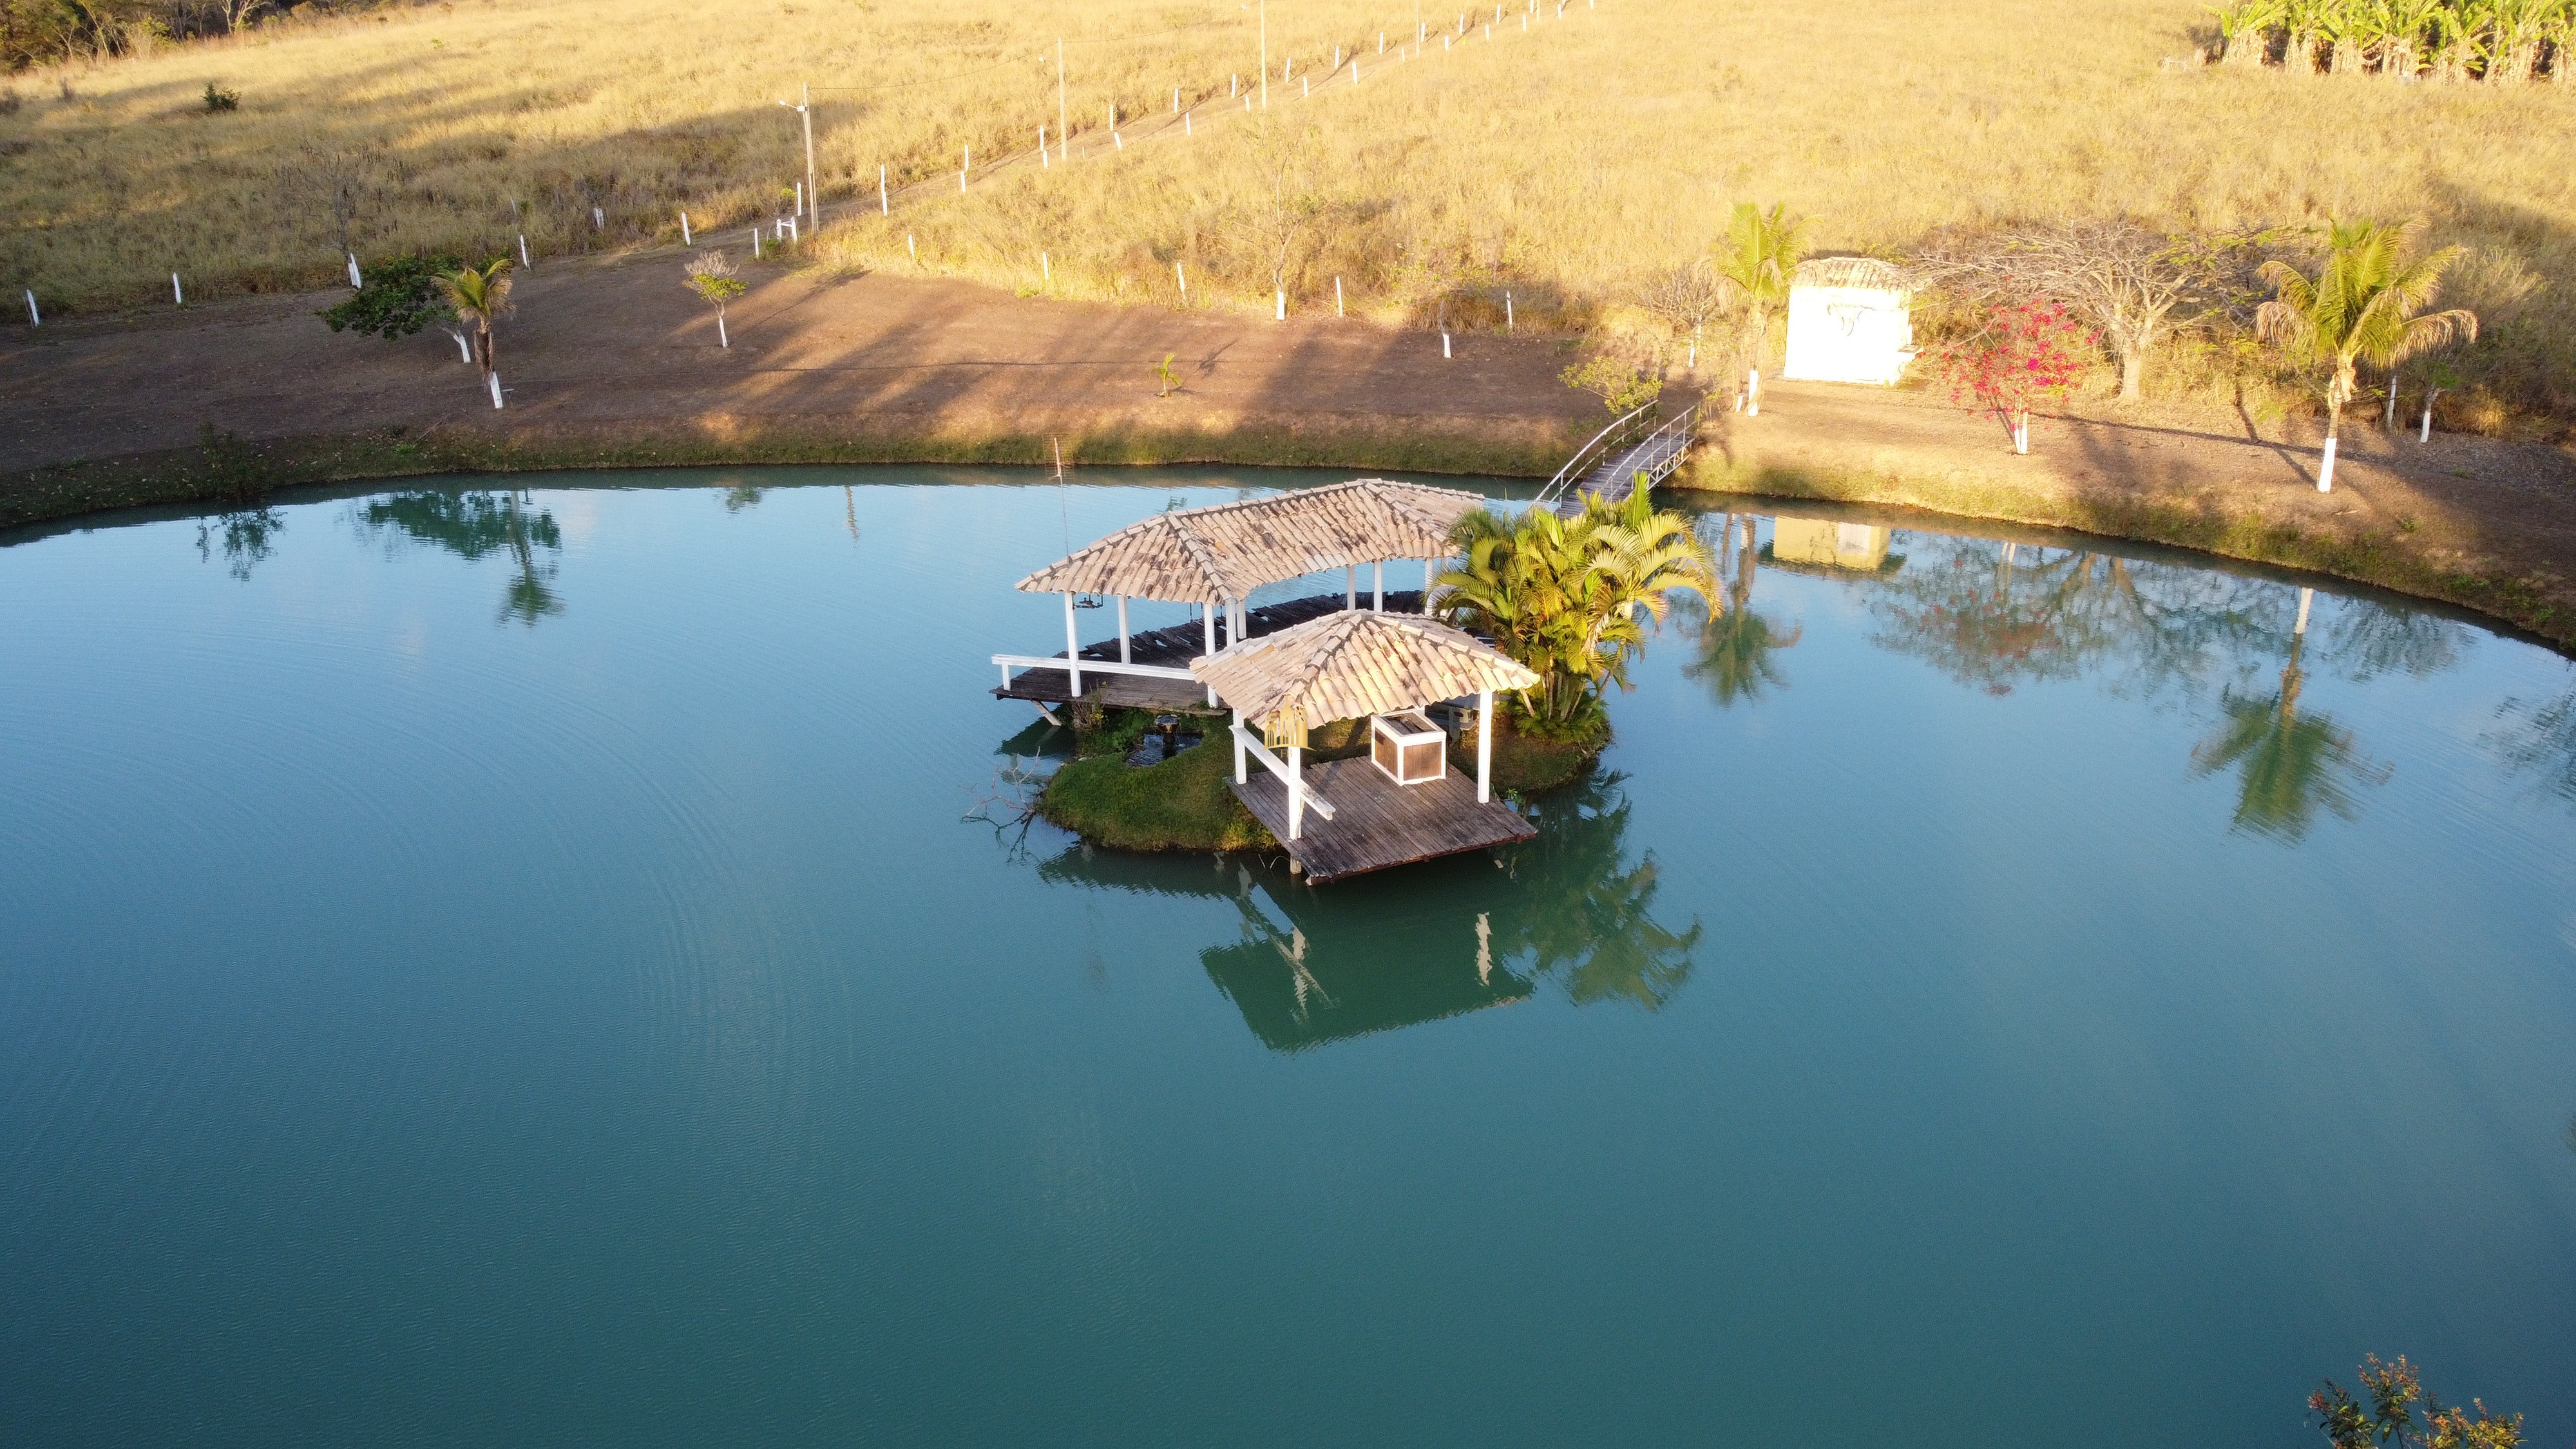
1250, 743
1009, 662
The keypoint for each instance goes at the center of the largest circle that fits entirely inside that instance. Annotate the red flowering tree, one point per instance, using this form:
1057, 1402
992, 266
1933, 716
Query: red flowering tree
2023, 354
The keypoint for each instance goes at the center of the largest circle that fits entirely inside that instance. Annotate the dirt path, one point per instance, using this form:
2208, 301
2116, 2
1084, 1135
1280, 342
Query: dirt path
613, 362
620, 351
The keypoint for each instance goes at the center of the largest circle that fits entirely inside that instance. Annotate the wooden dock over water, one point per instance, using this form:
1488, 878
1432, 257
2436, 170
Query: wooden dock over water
1377, 823
1174, 648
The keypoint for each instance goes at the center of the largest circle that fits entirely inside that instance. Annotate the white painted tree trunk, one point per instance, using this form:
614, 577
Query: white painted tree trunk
355, 281
685, 239
34, 317
721, 339
178, 298
2325, 469
464, 349
494, 377
2021, 432
1281, 315
2426, 434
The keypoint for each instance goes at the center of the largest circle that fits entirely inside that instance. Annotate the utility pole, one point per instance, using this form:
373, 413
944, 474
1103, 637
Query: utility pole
1063, 131
806, 110
1265, 54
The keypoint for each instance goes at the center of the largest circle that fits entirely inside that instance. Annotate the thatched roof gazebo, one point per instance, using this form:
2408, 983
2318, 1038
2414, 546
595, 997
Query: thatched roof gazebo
1216, 556
1345, 666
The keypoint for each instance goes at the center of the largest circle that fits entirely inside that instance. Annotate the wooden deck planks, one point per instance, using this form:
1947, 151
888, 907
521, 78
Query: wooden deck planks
1377, 823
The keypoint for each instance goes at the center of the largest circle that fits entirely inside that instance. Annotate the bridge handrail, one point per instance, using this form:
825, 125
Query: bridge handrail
1575, 467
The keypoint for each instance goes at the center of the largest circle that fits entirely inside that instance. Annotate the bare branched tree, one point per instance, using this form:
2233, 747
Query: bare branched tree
336, 179
1280, 219
1688, 297
2135, 283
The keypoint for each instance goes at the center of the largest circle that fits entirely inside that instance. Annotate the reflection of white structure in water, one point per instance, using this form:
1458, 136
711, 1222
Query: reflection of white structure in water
1848, 322
1860, 546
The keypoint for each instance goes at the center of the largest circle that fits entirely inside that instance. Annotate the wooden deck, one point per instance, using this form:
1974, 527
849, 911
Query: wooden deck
1377, 823
1174, 648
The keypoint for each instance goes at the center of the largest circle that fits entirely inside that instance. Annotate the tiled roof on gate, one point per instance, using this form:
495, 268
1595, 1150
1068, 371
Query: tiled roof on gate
1356, 662
1228, 550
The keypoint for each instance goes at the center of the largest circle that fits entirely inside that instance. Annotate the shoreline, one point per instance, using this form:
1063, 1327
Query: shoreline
224, 470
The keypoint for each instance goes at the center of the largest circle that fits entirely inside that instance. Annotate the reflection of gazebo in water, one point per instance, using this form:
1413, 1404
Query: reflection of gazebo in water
1212, 559
1367, 814
1309, 968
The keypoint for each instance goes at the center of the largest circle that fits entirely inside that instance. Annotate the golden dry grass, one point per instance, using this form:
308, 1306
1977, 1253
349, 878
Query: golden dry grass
1561, 163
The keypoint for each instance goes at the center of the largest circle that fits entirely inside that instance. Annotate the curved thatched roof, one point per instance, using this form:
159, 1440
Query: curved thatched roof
1847, 272
1355, 662
1228, 550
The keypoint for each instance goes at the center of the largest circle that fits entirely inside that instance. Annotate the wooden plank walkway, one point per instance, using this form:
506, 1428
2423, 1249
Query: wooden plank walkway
1376, 822
1174, 648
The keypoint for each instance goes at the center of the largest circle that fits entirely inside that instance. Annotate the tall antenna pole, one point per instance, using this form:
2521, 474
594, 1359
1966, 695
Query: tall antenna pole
1265, 54
1063, 133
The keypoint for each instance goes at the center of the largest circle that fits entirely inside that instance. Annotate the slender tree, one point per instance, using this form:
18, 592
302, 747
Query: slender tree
712, 278
479, 296
1759, 260
2362, 306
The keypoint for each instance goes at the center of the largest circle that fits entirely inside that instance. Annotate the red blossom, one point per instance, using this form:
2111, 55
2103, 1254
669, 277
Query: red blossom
2023, 354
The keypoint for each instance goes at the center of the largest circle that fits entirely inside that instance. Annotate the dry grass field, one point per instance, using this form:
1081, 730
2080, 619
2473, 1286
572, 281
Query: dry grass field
1562, 159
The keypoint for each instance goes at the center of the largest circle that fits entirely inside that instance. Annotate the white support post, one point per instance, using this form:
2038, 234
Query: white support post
1430, 570
1337, 297
1296, 792
1377, 587
1207, 618
884, 207
1122, 631
1240, 762
37, 319
1351, 586
1484, 746
685, 239
1072, 648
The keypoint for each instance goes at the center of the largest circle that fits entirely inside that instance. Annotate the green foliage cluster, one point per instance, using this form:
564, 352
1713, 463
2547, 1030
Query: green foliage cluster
401, 296
1180, 804
2389, 1419
218, 100
1568, 598
2493, 41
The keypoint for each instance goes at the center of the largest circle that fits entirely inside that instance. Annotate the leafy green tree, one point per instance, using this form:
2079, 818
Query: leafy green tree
402, 295
1568, 598
2385, 1417
1759, 260
2361, 306
1622, 384
712, 278
1583, 912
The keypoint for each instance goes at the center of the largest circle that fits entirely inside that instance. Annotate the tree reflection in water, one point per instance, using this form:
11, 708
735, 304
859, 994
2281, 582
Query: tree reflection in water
2539, 740
1731, 644
474, 524
2288, 766
244, 536
1312, 965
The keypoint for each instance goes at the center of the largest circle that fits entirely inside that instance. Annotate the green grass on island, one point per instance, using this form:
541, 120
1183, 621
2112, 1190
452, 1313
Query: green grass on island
1184, 803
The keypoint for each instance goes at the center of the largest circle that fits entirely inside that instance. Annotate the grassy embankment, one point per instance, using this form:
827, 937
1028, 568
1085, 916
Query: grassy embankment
2540, 604
1560, 163
1183, 803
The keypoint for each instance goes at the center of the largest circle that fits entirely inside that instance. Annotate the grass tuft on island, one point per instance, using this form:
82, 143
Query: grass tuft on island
1183, 803
1180, 804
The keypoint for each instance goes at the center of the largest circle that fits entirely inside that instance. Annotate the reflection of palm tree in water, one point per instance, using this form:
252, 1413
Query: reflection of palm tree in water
472, 525
1581, 912
2289, 765
1734, 644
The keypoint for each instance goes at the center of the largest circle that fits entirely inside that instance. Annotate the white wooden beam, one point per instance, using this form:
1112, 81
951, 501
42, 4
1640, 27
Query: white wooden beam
1207, 617
1430, 569
1484, 746
1072, 648
1122, 630
1351, 586
1377, 586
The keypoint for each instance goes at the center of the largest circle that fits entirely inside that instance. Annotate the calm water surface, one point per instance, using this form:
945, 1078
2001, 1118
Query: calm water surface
491, 969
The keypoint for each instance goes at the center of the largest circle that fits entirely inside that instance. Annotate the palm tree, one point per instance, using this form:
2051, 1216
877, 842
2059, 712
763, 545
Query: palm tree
2360, 307
479, 296
1569, 598
2290, 765
1761, 256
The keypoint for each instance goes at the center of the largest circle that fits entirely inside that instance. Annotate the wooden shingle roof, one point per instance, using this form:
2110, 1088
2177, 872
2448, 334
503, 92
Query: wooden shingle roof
1847, 272
1355, 662
1228, 550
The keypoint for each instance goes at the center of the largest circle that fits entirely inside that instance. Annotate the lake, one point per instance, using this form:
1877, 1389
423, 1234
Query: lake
564, 968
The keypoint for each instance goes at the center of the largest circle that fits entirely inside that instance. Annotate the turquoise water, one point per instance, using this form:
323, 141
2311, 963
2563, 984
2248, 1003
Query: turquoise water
486, 968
